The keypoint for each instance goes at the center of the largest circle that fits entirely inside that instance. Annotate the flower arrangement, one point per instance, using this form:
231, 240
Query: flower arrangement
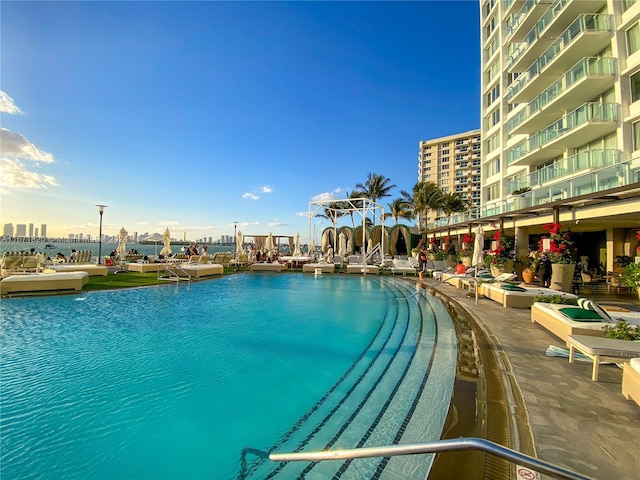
467, 244
499, 254
559, 247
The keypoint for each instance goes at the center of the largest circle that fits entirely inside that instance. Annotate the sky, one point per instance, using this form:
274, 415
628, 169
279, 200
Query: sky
196, 115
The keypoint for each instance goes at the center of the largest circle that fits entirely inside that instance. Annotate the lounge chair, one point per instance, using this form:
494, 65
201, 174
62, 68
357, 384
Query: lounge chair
516, 296
403, 267
91, 269
197, 270
565, 320
601, 350
318, 268
631, 380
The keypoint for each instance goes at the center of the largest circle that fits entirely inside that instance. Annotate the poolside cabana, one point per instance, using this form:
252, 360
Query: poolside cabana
377, 234
361, 237
399, 240
328, 238
348, 235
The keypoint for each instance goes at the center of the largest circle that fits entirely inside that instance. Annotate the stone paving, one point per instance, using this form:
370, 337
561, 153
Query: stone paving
585, 426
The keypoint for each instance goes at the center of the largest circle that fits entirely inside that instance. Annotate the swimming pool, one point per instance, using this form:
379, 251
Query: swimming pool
178, 381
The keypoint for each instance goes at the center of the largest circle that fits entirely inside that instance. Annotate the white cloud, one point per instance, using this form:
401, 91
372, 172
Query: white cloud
327, 196
250, 196
15, 175
16, 146
7, 104
267, 189
277, 224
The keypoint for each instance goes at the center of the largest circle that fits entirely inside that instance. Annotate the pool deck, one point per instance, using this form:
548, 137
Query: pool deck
582, 425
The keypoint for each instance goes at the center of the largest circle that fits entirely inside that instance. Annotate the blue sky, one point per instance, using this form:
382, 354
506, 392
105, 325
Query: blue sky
195, 115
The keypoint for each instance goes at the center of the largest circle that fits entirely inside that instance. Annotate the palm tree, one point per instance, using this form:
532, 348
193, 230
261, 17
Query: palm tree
452, 203
399, 208
426, 195
356, 203
332, 212
376, 186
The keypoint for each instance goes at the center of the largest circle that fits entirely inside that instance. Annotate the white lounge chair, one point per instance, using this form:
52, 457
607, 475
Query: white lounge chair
631, 380
516, 296
403, 267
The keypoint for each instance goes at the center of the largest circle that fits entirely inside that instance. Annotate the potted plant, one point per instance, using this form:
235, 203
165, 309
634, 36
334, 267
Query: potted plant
466, 254
499, 259
559, 248
631, 276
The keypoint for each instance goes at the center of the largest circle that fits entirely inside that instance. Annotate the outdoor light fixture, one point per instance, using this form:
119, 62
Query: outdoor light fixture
101, 211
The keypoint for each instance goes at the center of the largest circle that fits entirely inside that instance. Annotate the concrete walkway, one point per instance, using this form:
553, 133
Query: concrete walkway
585, 426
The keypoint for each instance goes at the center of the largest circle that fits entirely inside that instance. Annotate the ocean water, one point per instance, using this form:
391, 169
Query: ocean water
176, 381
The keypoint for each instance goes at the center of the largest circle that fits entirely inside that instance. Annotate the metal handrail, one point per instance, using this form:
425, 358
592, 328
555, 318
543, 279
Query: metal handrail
451, 445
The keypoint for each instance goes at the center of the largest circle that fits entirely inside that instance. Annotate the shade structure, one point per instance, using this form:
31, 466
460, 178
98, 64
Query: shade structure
166, 238
478, 246
122, 243
342, 244
239, 242
312, 247
296, 250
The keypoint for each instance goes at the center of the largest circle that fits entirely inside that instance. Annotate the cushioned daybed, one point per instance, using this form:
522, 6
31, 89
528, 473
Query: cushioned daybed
631, 380
323, 267
91, 269
516, 296
565, 320
266, 267
195, 270
38, 282
363, 269
145, 267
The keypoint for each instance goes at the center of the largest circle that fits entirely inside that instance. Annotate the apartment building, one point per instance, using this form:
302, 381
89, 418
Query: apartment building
453, 164
560, 121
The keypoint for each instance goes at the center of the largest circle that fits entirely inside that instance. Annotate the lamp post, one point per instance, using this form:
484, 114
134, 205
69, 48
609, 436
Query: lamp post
101, 211
235, 239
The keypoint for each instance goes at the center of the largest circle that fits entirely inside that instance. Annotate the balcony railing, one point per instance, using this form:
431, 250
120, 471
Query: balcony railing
584, 23
613, 176
521, 15
585, 67
582, 161
588, 112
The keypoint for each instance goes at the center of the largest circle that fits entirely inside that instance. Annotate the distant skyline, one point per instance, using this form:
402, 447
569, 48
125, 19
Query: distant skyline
193, 115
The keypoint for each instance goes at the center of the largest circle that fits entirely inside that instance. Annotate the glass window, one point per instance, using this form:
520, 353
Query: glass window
635, 87
636, 136
627, 4
633, 39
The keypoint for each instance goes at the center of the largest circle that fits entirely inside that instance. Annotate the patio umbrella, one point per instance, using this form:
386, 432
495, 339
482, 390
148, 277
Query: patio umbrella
239, 240
478, 246
155, 238
269, 244
296, 251
312, 247
122, 243
369, 246
342, 243
166, 238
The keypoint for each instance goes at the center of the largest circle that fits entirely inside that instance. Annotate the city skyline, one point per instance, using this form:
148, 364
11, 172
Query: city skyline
193, 116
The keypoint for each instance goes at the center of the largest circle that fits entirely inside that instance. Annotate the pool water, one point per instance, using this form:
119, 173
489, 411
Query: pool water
177, 381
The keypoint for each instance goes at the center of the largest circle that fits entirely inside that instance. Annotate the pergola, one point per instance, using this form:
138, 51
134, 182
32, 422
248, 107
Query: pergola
333, 208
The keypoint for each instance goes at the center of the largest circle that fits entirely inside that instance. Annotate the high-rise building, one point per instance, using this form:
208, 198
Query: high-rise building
43, 230
7, 230
560, 122
31, 230
453, 164
21, 230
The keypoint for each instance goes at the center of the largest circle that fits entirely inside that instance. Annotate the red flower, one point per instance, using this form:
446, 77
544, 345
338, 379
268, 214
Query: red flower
467, 238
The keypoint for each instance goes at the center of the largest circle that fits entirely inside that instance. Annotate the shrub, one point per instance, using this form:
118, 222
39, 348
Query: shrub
622, 331
557, 299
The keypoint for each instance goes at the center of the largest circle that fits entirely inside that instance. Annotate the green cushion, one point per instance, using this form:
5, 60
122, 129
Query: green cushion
485, 275
580, 314
513, 288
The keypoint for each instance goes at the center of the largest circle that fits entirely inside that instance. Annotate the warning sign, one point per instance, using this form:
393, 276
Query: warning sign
523, 473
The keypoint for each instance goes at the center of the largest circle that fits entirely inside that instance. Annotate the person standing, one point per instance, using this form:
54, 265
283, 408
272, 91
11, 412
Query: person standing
543, 270
422, 262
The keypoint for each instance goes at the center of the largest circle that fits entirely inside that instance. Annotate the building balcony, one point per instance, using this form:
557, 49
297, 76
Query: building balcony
512, 6
579, 163
619, 175
582, 125
585, 80
526, 18
585, 37
551, 25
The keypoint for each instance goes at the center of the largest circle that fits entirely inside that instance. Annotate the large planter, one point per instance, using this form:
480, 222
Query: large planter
638, 290
562, 276
528, 275
438, 265
466, 261
497, 271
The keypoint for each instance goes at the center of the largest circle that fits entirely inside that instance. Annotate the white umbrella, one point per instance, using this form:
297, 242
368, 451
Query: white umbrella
166, 238
369, 246
312, 248
342, 242
296, 251
155, 238
122, 243
478, 246
269, 244
239, 241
